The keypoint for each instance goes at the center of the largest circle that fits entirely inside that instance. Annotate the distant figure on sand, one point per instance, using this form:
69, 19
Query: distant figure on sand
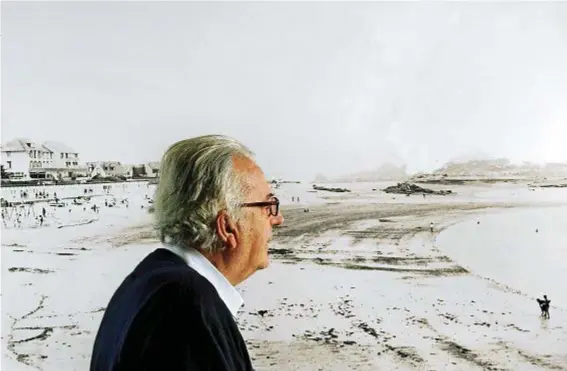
544, 306
176, 311
431, 227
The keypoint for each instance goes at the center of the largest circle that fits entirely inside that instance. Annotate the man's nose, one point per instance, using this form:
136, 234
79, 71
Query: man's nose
278, 219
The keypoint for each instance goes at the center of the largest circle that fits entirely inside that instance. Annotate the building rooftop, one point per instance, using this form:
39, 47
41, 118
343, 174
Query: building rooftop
58, 147
18, 145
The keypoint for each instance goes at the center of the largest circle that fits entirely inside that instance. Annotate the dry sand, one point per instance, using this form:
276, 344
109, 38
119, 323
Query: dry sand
352, 285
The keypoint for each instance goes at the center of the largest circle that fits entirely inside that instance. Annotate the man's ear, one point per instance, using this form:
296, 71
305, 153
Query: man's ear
226, 229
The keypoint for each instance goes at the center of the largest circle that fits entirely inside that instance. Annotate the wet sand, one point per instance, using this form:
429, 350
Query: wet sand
363, 294
351, 286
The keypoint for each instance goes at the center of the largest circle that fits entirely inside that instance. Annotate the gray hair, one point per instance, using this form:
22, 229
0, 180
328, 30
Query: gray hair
196, 181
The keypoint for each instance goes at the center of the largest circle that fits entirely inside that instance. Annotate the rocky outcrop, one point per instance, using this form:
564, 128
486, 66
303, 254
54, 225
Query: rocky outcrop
554, 185
408, 188
497, 169
319, 188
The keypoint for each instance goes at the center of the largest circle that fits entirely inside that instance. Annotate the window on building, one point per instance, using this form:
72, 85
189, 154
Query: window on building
9, 164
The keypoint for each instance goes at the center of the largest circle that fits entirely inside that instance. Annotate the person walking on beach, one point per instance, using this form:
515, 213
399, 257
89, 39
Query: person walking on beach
431, 227
214, 212
544, 306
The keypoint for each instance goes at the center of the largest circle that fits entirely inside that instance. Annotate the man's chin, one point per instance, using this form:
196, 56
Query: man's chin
264, 264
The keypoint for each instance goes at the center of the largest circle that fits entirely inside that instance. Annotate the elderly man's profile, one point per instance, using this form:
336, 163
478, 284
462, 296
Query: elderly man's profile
214, 211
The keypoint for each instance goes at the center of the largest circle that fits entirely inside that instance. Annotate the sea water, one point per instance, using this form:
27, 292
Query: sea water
525, 249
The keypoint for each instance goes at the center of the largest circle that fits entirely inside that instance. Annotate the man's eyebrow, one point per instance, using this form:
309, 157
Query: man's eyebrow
270, 195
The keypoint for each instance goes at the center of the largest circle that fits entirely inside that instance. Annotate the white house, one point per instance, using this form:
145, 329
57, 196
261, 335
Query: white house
64, 157
24, 159
66, 162
105, 169
152, 169
21, 155
15, 160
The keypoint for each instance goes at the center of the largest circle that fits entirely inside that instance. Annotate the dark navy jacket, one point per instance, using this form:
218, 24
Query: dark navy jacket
167, 317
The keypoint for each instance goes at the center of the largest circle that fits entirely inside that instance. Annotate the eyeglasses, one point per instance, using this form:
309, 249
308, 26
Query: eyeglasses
274, 204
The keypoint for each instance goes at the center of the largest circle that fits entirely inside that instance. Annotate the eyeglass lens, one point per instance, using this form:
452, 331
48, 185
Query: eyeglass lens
274, 209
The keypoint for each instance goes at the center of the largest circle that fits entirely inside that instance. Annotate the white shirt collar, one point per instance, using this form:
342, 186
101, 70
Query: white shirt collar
228, 293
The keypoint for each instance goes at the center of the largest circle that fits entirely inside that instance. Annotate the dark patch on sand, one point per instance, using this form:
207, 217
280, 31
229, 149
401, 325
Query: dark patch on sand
29, 270
78, 248
450, 271
406, 353
13, 245
323, 218
517, 328
342, 218
325, 336
367, 329
534, 360
537, 361
22, 357
466, 354
401, 260
142, 234
281, 252
47, 331
146, 235
419, 321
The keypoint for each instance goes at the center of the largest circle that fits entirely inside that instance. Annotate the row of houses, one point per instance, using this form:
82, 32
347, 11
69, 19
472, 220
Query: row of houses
24, 159
116, 169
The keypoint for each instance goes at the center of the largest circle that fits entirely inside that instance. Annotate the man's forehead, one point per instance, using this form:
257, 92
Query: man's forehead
257, 184
253, 176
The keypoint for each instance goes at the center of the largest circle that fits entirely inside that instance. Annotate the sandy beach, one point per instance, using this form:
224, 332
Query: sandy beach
356, 283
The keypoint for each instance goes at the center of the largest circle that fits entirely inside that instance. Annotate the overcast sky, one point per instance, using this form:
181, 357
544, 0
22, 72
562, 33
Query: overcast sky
311, 88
